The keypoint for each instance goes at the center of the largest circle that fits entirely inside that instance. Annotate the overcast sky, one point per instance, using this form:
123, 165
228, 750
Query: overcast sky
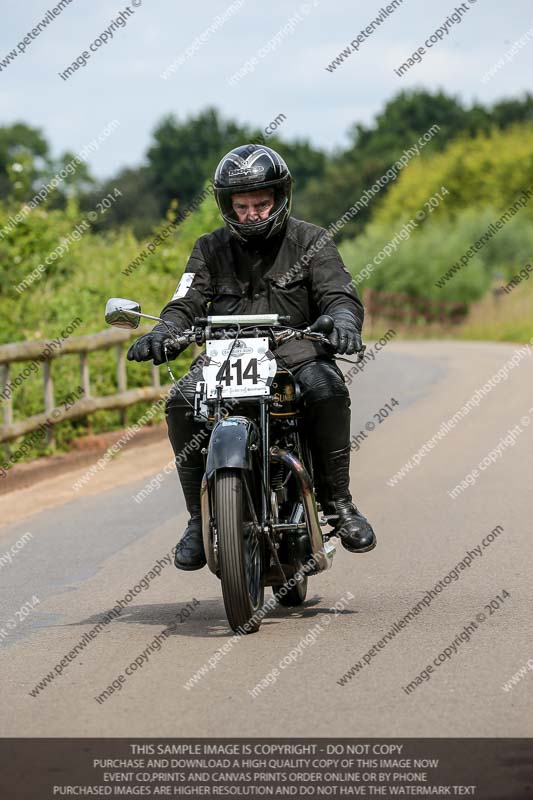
122, 79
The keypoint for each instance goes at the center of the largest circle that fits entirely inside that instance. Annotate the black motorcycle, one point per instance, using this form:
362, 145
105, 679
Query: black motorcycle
260, 519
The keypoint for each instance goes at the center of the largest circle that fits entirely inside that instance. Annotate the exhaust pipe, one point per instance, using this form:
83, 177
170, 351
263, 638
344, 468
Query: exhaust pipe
322, 551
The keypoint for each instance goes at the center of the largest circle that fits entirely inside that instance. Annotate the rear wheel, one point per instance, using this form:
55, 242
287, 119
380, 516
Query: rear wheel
240, 550
294, 591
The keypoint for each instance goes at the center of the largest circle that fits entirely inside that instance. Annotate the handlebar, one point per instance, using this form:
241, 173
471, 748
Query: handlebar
278, 334
198, 336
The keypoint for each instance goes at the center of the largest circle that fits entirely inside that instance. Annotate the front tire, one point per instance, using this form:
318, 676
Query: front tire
240, 550
295, 595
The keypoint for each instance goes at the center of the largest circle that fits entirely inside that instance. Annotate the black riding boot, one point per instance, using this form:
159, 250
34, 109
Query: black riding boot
183, 432
329, 432
190, 549
352, 527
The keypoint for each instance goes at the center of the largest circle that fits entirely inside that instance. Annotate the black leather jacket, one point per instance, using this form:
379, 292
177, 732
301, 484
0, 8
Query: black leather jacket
300, 273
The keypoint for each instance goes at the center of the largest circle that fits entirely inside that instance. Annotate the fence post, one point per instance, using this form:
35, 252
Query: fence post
85, 378
122, 379
85, 382
49, 403
369, 311
7, 406
156, 377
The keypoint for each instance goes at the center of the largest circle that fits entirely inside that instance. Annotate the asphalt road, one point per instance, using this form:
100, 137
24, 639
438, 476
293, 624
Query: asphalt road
89, 548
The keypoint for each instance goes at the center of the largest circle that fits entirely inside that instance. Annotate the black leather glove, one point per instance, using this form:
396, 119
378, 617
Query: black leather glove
345, 337
150, 346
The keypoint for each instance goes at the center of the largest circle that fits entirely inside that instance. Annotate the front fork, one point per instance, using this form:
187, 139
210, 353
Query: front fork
219, 456
264, 423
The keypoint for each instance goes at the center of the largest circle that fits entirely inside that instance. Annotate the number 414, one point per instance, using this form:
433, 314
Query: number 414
250, 373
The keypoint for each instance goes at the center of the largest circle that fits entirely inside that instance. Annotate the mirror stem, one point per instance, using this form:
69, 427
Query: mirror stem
149, 316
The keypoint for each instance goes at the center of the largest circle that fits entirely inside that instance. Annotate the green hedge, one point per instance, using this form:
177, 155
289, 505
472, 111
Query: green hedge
78, 284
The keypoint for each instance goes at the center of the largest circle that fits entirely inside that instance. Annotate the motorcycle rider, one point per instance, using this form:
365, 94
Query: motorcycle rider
265, 261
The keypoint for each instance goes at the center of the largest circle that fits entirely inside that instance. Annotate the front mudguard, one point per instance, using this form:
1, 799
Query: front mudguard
230, 447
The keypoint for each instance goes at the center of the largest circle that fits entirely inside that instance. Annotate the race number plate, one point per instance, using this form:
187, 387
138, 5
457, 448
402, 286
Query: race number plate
248, 372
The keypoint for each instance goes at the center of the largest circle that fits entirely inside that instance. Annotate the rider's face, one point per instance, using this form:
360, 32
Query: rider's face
253, 206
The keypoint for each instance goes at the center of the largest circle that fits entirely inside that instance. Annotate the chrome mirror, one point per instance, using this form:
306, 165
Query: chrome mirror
122, 313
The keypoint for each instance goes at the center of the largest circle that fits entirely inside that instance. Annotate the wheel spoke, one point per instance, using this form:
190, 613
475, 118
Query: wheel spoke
253, 550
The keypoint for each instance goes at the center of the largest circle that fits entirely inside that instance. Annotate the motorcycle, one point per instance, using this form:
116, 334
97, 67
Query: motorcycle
260, 518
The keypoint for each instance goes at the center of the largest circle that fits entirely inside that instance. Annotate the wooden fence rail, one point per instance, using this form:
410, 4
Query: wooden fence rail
44, 352
406, 309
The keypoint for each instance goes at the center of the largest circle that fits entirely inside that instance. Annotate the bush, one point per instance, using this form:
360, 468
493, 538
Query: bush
490, 170
78, 284
432, 248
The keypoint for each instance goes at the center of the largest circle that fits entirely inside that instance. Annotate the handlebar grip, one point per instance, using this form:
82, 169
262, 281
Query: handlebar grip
324, 324
176, 346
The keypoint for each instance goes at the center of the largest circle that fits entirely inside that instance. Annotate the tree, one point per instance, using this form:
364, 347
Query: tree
137, 205
403, 120
305, 163
373, 148
24, 156
508, 112
184, 155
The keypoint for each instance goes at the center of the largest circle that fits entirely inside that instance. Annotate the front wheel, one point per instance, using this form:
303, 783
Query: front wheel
240, 550
292, 593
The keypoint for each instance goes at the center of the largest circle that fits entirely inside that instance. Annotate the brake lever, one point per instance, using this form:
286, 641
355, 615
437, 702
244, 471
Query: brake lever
360, 354
180, 342
174, 347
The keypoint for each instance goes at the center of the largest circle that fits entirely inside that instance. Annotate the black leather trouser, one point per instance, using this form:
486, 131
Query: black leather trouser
326, 410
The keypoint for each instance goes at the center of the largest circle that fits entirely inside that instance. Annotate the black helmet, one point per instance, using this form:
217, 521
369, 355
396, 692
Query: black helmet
247, 169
